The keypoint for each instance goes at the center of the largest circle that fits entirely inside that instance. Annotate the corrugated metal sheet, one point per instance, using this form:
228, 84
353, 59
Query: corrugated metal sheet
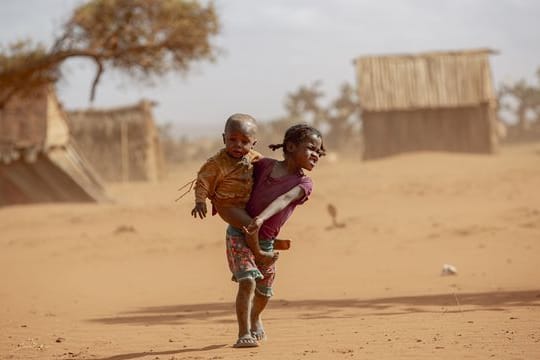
52, 177
427, 80
79, 171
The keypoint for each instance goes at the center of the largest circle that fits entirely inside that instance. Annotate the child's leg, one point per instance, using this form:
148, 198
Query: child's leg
238, 218
259, 303
246, 288
263, 292
244, 269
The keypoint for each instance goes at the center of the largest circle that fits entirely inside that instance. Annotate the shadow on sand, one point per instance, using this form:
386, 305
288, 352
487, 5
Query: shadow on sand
319, 309
157, 353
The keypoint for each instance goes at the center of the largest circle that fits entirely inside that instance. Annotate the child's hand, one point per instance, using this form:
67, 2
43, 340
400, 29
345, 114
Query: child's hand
254, 226
267, 257
199, 209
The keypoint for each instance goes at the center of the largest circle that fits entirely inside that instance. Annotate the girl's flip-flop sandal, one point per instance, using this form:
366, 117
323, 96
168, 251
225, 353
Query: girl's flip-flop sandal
246, 341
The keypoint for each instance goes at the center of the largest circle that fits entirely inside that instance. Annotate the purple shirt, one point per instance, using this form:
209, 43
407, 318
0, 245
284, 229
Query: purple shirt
266, 189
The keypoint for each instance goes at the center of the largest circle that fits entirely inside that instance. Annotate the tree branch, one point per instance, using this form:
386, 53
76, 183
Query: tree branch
96, 80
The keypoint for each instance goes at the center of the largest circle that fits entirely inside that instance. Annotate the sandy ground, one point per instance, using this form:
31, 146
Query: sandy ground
141, 279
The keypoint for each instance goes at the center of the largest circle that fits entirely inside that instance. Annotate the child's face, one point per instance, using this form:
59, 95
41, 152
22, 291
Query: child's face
307, 153
238, 142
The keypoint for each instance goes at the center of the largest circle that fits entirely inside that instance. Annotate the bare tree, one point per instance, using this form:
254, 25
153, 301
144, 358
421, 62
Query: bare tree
303, 105
343, 118
143, 38
339, 120
525, 98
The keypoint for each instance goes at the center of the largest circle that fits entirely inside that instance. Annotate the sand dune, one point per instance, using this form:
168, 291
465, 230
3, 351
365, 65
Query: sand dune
141, 279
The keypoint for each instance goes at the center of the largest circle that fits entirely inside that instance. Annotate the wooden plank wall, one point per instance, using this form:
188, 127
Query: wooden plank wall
466, 129
118, 142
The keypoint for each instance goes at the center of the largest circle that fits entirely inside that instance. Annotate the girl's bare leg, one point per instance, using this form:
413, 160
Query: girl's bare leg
259, 303
244, 297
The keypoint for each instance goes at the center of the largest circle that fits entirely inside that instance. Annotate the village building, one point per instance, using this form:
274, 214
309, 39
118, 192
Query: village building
122, 143
39, 160
437, 101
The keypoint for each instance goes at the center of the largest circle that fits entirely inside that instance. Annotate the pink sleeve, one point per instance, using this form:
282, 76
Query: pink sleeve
307, 185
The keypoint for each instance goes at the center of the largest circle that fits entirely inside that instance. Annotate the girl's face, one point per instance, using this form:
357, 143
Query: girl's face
307, 153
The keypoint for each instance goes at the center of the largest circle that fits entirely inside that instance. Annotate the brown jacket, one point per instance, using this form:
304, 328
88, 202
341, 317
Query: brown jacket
226, 181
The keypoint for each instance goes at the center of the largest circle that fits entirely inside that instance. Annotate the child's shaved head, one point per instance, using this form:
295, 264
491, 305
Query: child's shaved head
241, 122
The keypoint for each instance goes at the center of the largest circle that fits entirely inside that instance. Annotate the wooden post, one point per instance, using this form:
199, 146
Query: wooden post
124, 143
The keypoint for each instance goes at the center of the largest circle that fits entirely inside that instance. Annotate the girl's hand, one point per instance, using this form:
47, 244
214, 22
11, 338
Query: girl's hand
199, 209
254, 226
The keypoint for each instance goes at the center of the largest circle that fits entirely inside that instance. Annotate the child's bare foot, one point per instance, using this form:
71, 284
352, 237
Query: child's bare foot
257, 331
246, 341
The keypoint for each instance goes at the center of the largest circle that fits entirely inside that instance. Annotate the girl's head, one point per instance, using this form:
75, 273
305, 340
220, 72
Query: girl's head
303, 145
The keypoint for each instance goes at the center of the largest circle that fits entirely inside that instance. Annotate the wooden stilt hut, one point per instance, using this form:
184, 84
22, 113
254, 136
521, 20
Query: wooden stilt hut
39, 160
121, 143
437, 101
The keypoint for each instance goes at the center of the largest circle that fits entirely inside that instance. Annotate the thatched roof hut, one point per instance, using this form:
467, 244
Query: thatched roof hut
429, 101
39, 161
122, 143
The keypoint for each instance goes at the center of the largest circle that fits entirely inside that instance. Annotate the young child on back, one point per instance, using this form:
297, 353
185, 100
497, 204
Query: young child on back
227, 178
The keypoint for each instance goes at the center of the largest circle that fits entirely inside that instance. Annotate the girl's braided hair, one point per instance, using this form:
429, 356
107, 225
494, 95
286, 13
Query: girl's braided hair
296, 134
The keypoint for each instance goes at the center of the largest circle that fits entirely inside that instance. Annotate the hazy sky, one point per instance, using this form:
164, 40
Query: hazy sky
273, 47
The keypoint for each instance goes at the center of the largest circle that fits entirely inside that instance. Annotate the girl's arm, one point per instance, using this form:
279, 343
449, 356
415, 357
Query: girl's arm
279, 203
239, 218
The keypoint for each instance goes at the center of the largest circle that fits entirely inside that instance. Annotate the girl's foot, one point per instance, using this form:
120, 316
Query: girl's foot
257, 331
260, 335
246, 341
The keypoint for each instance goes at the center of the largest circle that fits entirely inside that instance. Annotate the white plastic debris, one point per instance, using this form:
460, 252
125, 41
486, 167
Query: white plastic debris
448, 269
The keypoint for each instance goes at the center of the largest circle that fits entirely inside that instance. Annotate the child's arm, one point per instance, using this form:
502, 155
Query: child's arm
205, 186
275, 206
239, 218
199, 209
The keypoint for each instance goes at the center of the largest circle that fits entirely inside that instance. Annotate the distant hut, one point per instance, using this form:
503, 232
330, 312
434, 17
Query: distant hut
39, 161
442, 101
121, 143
